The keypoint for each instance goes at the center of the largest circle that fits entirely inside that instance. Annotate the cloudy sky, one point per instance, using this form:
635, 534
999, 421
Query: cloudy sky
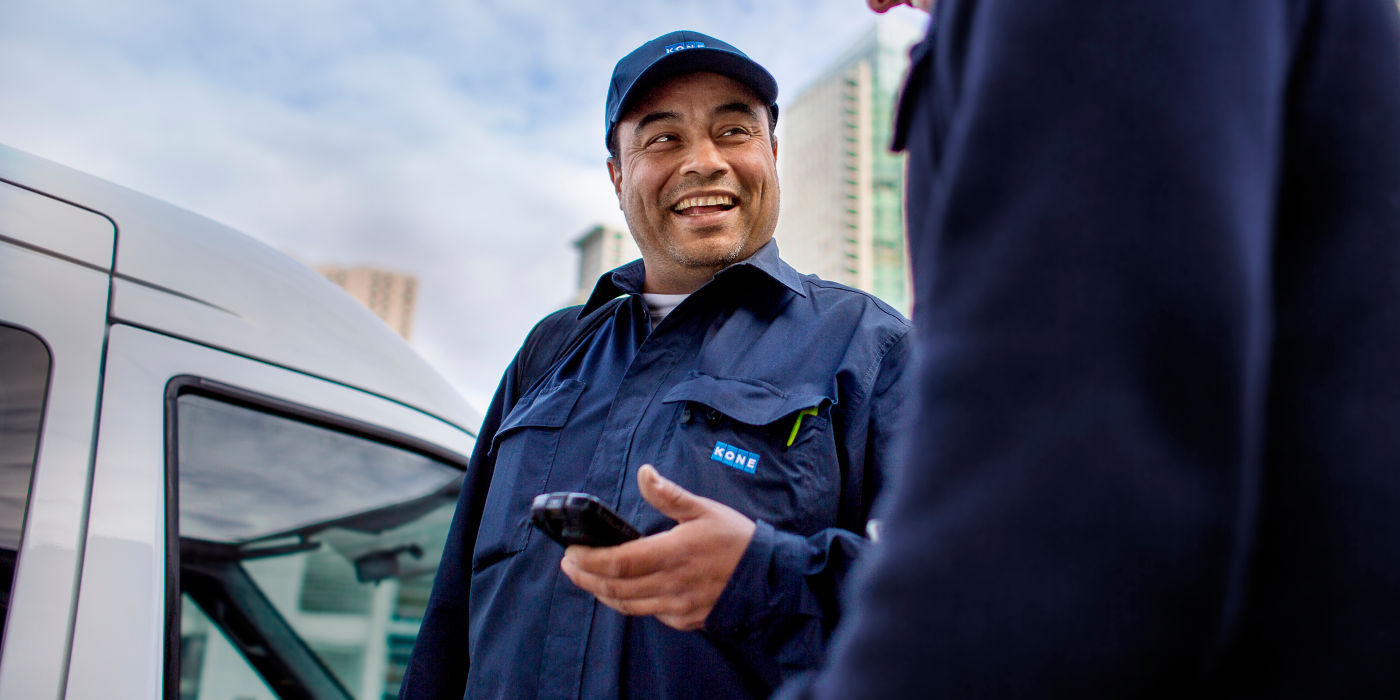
456, 140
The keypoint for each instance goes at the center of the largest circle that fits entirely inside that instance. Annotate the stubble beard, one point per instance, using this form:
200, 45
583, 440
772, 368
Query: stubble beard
675, 251
672, 246
735, 252
715, 260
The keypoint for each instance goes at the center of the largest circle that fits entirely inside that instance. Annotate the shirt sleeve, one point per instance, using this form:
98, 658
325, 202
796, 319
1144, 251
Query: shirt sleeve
440, 660
783, 600
438, 666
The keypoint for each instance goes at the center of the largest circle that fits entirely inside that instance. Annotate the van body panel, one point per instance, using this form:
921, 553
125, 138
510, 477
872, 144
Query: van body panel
55, 227
240, 290
124, 572
133, 298
64, 303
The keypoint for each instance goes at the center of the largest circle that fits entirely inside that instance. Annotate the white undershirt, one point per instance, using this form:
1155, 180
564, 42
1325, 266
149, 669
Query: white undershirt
659, 305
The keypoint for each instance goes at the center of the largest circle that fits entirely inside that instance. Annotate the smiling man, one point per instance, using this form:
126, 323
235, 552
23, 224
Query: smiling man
768, 401
699, 187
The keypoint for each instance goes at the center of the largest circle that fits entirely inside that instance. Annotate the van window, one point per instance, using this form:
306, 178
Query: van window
210, 665
247, 474
24, 378
312, 526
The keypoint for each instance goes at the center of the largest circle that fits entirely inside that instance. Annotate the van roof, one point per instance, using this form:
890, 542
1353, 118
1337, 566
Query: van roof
179, 273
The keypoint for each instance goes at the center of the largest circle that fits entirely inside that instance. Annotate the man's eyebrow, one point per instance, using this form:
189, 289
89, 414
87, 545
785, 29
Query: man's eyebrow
655, 117
737, 108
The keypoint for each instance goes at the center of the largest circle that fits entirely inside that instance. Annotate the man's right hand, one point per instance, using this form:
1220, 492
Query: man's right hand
677, 575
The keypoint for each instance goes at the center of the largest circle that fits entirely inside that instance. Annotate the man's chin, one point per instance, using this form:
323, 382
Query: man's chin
712, 254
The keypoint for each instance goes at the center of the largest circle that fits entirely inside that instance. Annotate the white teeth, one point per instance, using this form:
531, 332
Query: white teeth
708, 201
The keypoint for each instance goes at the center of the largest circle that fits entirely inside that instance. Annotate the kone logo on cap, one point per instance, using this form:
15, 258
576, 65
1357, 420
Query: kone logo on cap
743, 460
685, 45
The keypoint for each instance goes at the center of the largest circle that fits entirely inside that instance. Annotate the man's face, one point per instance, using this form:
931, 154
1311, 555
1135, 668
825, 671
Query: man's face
696, 177
883, 6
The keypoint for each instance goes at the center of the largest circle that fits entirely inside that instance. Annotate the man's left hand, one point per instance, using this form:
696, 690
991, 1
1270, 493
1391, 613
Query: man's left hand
676, 575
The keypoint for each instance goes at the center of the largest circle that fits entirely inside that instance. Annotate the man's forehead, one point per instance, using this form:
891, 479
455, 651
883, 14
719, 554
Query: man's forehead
719, 90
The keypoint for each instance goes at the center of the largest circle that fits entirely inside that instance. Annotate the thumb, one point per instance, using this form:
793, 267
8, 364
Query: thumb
666, 496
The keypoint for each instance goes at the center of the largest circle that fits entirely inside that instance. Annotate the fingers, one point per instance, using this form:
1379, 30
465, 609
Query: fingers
668, 497
639, 557
650, 585
660, 595
671, 611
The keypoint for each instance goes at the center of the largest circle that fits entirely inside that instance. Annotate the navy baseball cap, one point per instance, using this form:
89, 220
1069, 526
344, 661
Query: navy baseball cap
682, 52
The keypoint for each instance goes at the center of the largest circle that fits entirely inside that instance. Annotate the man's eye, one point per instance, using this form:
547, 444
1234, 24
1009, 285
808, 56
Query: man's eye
735, 131
663, 138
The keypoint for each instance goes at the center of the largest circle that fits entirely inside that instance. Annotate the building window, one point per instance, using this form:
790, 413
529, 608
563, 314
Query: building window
400, 649
328, 585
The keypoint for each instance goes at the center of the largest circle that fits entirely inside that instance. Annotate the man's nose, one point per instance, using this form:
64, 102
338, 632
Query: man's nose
705, 159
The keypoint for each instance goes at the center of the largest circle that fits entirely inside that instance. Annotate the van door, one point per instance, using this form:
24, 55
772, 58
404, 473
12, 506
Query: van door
55, 262
243, 518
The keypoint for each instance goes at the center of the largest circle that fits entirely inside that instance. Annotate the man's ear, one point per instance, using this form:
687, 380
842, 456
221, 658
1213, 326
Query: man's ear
615, 173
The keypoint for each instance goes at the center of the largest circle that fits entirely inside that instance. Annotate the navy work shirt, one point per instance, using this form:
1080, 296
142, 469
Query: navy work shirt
711, 398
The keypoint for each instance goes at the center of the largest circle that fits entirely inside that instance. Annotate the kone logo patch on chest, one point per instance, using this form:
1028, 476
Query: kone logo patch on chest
743, 460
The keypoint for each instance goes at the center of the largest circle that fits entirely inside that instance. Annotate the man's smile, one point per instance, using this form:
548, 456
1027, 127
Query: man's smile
699, 205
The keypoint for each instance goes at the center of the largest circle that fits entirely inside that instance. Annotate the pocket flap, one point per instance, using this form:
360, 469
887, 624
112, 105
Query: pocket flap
745, 400
549, 408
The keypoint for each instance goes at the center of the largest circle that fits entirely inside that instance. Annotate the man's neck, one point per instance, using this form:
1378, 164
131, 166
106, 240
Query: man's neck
679, 283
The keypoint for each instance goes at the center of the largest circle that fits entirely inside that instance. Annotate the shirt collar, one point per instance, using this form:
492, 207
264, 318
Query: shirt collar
628, 278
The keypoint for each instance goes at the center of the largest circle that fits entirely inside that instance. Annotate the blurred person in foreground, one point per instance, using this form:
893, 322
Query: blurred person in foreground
768, 401
1157, 454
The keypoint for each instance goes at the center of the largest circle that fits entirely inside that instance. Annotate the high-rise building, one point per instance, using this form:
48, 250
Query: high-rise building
600, 249
392, 296
842, 214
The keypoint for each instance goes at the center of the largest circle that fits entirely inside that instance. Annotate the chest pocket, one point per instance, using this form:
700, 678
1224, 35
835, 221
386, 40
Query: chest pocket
523, 450
730, 442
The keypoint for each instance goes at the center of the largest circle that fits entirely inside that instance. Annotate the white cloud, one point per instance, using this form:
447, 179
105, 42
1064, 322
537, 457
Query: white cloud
458, 141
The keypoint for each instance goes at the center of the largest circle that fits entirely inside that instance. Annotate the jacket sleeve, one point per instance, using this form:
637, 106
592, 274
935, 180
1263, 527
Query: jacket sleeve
440, 660
783, 599
1092, 323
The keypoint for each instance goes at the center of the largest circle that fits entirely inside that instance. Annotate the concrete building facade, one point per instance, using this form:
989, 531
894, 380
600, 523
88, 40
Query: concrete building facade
392, 296
842, 190
600, 249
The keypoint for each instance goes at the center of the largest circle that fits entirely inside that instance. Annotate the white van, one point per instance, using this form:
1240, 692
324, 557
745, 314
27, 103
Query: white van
220, 476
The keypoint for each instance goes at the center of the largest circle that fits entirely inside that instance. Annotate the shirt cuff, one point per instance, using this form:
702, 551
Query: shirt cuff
760, 587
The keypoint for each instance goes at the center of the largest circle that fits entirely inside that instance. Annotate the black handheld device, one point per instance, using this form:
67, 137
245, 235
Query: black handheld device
579, 518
